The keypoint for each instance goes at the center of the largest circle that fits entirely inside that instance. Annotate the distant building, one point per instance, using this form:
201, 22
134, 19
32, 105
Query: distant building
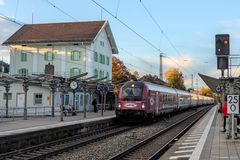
73, 48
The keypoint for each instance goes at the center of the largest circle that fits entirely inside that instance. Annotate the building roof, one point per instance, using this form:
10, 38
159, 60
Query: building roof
210, 81
61, 32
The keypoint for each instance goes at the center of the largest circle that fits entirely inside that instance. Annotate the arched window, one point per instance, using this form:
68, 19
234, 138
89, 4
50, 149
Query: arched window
75, 55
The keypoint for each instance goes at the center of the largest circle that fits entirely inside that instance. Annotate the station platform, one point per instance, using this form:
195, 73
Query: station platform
205, 141
10, 126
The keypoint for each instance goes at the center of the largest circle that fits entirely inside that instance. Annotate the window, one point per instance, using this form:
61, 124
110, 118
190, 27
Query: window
96, 73
9, 96
74, 72
108, 61
23, 57
100, 58
48, 56
102, 43
95, 56
23, 72
100, 74
75, 55
107, 76
103, 59
38, 98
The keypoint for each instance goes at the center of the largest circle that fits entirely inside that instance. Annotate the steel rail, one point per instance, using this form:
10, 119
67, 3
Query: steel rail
159, 152
53, 148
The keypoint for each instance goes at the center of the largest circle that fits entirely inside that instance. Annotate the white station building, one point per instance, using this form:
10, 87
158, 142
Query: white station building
72, 48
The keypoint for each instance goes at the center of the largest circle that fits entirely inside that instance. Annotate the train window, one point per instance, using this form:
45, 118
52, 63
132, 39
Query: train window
132, 93
169, 98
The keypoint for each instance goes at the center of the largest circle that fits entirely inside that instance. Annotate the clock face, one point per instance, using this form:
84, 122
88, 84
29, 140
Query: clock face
73, 85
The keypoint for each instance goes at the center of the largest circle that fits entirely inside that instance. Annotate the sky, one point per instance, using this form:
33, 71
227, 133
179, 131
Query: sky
184, 31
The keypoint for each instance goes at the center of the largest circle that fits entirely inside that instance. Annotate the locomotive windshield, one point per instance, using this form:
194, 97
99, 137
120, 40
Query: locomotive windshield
132, 92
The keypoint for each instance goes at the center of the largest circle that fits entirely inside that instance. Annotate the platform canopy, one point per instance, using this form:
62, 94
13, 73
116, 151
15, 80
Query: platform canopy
211, 82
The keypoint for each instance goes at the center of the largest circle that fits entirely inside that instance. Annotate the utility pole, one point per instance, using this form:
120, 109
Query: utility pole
161, 67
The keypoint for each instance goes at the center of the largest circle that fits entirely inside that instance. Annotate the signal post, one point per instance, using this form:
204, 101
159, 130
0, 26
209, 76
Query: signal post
229, 85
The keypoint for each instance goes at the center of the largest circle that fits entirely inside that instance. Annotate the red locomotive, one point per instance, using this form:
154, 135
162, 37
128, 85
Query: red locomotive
139, 99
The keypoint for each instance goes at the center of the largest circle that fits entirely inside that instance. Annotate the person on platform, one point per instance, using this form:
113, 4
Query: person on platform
94, 103
224, 113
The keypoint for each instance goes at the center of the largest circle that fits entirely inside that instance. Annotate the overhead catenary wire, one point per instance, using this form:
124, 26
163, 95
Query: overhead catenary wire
165, 36
111, 15
148, 42
61, 10
123, 23
160, 28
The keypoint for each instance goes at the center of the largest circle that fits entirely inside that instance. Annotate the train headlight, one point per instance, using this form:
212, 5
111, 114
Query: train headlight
119, 105
143, 106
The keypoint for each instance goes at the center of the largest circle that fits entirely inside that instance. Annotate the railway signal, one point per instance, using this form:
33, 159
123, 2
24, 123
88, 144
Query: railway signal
222, 44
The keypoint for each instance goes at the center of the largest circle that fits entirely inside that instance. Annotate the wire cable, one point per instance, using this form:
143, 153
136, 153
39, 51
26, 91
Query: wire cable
54, 6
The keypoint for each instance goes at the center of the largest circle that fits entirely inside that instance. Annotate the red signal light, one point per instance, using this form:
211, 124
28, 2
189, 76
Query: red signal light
225, 42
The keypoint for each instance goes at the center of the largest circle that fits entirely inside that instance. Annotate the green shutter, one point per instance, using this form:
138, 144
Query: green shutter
46, 56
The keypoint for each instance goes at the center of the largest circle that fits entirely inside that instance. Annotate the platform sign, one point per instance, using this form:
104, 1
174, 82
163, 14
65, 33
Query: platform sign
219, 89
233, 104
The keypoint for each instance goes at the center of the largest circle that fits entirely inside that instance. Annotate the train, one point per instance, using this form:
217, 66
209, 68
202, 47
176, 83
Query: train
141, 99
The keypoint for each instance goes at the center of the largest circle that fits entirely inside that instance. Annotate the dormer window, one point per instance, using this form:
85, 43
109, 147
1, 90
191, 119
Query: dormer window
75, 55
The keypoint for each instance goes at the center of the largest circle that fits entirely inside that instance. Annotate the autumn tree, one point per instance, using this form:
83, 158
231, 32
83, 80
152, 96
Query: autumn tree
120, 72
205, 92
174, 78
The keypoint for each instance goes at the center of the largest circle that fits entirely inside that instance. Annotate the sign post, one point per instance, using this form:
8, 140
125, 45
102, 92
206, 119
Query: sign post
233, 108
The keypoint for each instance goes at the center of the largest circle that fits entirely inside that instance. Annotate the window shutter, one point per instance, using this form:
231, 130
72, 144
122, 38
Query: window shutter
46, 56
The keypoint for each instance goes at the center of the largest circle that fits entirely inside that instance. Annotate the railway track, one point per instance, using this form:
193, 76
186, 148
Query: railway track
153, 147
49, 149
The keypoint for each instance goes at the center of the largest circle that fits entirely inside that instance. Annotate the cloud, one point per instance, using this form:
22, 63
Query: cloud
2, 2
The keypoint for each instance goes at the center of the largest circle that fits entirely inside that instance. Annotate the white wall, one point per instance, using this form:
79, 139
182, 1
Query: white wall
17, 89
